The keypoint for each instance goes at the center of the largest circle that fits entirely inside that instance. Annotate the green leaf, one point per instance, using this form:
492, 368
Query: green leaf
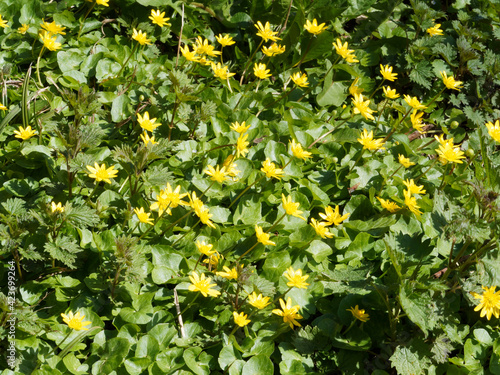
420, 307
119, 108
147, 346
333, 94
197, 360
258, 365
413, 359
319, 250
227, 356
276, 264
115, 351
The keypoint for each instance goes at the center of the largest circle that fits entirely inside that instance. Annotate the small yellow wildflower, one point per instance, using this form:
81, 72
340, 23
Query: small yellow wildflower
218, 174
146, 123
411, 203
300, 80
321, 229
270, 170
53, 28
168, 198
202, 284
143, 216
49, 41
273, 50
203, 47
57, 207
205, 248
230, 274
390, 93
260, 71
342, 50
221, 71
314, 28
298, 151
23, 29
262, 237
435, 30
242, 145
414, 102
240, 319
288, 312
189, 55
24, 133
2, 107
147, 139
159, 18
449, 153
404, 161
240, 128
359, 314
213, 260
3, 23
416, 121
368, 142
225, 40
494, 130
362, 106
389, 205
333, 216
75, 321
100, 173
205, 216
141, 37
258, 301
265, 32
489, 303
102, 2
387, 73
290, 207
354, 89
414, 189
450, 82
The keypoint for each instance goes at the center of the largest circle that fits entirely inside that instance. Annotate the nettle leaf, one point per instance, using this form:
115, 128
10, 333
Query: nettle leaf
422, 74
413, 359
81, 216
64, 249
447, 51
442, 348
420, 307
476, 117
14, 206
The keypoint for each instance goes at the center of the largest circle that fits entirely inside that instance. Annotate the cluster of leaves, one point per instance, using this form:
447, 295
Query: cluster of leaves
80, 244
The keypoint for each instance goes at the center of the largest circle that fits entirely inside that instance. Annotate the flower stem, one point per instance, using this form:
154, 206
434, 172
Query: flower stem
357, 160
84, 18
128, 58
249, 62
245, 190
38, 65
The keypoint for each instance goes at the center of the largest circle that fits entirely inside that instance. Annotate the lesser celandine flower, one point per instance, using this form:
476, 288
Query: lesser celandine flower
202, 284
448, 152
229, 274
204, 215
362, 106
489, 303
225, 40
2, 107
24, 133
141, 37
194, 202
143, 216
404, 161
290, 207
221, 71
262, 237
295, 278
321, 229
159, 18
49, 41
414, 189
416, 120
332, 216
202, 47
146, 123
205, 248
75, 321
258, 301
390, 93
494, 130
240, 128
388, 205
53, 28
100, 173
368, 142
450, 82
359, 314
217, 174
387, 73
435, 30
260, 71
56, 207
300, 80
104, 3
3, 23
414, 102
354, 89
344, 51
242, 145
240, 319
273, 50
298, 151
314, 28
189, 55
167, 199
213, 260
265, 32
289, 313
411, 202
147, 139
270, 169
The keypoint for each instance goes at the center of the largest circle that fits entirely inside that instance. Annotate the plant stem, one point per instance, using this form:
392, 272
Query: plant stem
84, 18
128, 58
357, 160
244, 191
249, 62
38, 65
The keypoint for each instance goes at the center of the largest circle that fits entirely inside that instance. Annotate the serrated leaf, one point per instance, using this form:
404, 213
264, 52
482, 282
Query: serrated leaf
422, 74
64, 249
410, 360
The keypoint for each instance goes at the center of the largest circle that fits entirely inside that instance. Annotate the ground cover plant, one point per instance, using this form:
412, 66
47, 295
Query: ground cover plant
253, 187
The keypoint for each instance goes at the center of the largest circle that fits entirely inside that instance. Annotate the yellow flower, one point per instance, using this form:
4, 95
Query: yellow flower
295, 278
298, 152
229, 274
2, 107
368, 142
202, 47
23, 29
240, 319
159, 18
314, 28
205, 248
450, 82
362, 107
290, 207
75, 321
404, 161
202, 284
204, 216
262, 237
213, 260
387, 73
265, 32
240, 128
100, 173
168, 198
489, 303
49, 41
221, 71
300, 80
225, 40
141, 37
413, 102
270, 169
333, 217
435, 30
189, 55
342, 50
146, 139
448, 152
143, 216
289, 312
354, 89
3, 23
416, 120
260, 71
102, 2
321, 229
359, 314
273, 49
146, 123
57, 207
414, 189
194, 202
494, 130
218, 175
258, 301
53, 28
231, 168
24, 133
242, 145
411, 203
388, 205
391, 94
